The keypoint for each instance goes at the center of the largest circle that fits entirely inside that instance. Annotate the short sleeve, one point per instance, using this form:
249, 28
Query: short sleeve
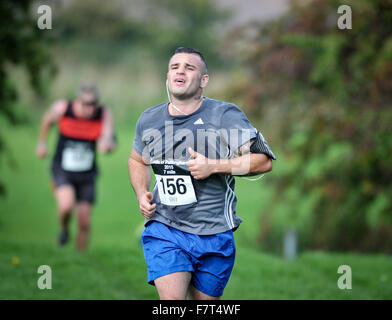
138, 144
238, 130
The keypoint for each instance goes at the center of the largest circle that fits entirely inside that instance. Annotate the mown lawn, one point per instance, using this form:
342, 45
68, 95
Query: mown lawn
114, 266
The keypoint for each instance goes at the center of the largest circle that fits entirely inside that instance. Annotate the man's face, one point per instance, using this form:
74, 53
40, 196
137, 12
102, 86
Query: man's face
88, 99
185, 76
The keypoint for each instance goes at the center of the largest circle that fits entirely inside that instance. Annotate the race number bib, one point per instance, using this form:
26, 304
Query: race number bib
77, 156
174, 185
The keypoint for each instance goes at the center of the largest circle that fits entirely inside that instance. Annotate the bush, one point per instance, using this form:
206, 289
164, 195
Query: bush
324, 98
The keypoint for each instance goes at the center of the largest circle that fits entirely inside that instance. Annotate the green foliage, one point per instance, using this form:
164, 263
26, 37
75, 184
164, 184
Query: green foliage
93, 19
21, 44
111, 28
324, 97
189, 23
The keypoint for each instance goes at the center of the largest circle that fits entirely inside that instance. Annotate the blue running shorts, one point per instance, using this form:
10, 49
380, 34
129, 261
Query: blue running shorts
210, 258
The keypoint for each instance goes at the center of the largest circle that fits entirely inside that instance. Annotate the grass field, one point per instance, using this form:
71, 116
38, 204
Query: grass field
114, 268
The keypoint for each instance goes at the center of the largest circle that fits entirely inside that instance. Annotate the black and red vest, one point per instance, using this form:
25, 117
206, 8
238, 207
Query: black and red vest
76, 147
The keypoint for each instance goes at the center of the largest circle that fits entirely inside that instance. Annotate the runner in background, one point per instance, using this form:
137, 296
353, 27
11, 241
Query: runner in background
84, 126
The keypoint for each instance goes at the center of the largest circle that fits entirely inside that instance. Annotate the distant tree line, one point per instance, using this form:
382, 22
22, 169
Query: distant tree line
160, 27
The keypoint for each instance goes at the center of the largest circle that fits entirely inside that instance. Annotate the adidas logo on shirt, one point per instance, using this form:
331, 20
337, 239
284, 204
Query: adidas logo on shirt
199, 121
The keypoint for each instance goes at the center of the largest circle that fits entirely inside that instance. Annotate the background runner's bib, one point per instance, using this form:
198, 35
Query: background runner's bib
77, 156
76, 145
174, 185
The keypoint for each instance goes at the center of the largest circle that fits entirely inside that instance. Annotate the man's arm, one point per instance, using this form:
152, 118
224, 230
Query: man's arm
244, 163
106, 141
51, 116
252, 163
140, 176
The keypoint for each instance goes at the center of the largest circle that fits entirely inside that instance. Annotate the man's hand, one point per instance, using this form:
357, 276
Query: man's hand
200, 166
146, 208
41, 150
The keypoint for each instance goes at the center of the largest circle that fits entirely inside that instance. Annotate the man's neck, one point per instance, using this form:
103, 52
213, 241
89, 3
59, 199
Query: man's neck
187, 106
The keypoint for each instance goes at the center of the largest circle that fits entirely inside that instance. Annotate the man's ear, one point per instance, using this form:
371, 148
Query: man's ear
204, 80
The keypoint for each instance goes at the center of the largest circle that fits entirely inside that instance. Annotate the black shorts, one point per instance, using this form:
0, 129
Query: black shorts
82, 182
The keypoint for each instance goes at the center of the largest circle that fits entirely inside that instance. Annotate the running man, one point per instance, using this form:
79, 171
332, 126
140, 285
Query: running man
83, 126
195, 145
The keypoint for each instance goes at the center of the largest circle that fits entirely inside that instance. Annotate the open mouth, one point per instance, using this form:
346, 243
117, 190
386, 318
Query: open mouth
179, 81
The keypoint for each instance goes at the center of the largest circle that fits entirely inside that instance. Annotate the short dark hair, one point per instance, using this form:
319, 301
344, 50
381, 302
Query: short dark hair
194, 51
89, 88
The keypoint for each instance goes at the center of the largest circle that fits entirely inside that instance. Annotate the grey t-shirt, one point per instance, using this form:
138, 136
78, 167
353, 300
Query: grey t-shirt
216, 130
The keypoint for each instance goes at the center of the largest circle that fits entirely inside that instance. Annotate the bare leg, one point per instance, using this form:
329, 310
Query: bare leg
65, 197
173, 286
84, 210
195, 294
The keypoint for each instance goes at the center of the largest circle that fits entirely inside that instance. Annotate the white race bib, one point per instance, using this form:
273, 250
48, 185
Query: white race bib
77, 156
174, 185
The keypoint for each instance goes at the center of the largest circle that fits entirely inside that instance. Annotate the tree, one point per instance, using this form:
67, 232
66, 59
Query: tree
190, 24
21, 43
324, 96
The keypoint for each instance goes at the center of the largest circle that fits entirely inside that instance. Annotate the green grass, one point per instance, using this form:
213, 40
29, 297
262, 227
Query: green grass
114, 268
